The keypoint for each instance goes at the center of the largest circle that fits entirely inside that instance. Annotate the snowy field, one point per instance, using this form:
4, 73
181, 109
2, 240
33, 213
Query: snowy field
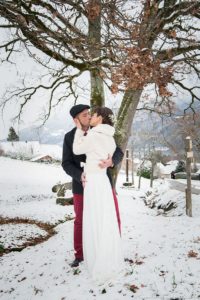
162, 252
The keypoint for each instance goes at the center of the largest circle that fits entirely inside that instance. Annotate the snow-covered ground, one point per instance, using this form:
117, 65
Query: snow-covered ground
31, 149
162, 252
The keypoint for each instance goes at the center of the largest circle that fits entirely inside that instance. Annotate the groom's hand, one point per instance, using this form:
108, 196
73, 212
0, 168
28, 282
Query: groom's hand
83, 179
106, 163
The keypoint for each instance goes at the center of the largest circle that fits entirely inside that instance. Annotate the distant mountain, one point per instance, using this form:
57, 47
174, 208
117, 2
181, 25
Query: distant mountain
146, 129
44, 135
51, 133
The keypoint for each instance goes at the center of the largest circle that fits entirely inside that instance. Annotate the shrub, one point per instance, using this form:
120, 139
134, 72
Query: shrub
144, 172
180, 167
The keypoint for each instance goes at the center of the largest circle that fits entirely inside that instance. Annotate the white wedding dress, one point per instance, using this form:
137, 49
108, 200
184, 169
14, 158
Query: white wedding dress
102, 248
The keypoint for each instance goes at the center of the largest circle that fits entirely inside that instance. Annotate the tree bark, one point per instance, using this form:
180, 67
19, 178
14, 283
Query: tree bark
188, 190
152, 172
139, 182
94, 38
125, 116
124, 122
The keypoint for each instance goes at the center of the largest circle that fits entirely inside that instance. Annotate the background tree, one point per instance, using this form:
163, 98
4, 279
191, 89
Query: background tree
177, 128
189, 125
12, 136
180, 167
124, 45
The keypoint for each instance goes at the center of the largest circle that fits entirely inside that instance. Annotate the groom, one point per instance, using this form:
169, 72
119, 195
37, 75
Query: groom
71, 164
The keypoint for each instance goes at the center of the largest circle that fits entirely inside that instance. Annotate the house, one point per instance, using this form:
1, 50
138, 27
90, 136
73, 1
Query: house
43, 158
165, 171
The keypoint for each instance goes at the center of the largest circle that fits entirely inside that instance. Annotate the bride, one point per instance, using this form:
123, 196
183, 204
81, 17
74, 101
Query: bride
101, 237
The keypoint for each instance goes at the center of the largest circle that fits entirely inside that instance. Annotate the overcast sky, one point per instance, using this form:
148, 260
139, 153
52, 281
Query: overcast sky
11, 75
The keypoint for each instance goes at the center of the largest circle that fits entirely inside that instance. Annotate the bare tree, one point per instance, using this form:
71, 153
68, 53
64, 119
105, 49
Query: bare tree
175, 130
189, 125
125, 45
63, 37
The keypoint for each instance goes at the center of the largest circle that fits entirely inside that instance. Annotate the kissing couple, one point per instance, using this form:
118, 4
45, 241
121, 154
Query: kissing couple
89, 152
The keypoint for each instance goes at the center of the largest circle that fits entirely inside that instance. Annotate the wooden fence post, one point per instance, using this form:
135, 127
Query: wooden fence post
127, 165
188, 192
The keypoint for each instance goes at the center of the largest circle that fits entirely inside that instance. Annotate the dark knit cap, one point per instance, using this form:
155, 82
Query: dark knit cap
76, 109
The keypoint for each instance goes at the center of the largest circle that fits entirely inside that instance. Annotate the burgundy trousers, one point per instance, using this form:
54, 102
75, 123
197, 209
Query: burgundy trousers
78, 209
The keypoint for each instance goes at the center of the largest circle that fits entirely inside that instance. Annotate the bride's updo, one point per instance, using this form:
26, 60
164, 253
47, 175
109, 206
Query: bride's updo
106, 114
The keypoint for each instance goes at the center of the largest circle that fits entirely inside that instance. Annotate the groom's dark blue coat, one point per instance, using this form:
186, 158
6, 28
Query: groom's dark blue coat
71, 163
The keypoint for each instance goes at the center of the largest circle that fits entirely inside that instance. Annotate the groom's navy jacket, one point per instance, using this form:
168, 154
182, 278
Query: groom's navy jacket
71, 163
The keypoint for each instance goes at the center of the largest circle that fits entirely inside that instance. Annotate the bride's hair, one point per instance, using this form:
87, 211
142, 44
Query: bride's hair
106, 114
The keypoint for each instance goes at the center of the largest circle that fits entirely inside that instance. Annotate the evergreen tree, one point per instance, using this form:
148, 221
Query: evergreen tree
180, 167
12, 136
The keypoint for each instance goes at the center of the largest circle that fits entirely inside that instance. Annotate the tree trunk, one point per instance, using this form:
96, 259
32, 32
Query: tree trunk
125, 117
97, 89
124, 122
139, 182
132, 162
132, 171
188, 190
152, 172
94, 42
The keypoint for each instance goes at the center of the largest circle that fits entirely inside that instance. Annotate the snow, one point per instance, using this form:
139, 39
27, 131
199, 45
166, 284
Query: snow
136, 160
16, 234
53, 150
156, 247
165, 169
26, 190
173, 163
31, 149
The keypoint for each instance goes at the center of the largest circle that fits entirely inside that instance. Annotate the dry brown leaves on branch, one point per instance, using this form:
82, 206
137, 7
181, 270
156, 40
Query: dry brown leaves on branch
140, 68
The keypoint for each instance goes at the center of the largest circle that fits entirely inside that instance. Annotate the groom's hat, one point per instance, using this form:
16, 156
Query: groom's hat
76, 109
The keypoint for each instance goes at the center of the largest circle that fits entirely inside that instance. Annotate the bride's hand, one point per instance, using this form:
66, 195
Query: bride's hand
83, 179
78, 124
106, 163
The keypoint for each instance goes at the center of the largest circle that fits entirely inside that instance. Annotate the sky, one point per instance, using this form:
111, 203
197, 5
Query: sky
11, 76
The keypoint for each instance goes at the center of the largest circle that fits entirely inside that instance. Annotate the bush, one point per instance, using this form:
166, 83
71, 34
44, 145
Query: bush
180, 167
144, 172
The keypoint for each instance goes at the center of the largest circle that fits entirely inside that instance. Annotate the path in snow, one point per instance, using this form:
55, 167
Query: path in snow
181, 186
